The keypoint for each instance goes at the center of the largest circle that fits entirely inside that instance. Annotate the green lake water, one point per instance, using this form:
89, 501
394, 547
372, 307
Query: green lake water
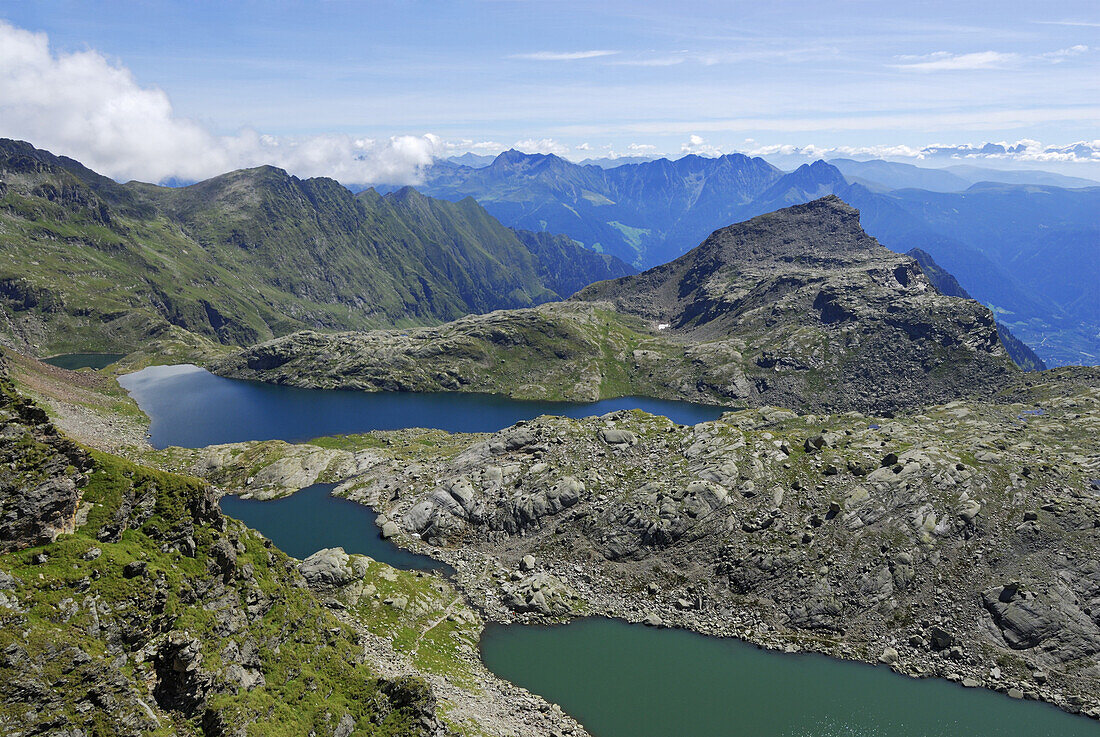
627, 680
618, 679
74, 361
312, 519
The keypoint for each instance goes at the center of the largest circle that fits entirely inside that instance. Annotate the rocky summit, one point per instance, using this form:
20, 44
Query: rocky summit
799, 308
825, 313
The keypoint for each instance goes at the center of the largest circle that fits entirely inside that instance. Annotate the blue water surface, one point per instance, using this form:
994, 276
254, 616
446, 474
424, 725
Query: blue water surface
313, 519
190, 407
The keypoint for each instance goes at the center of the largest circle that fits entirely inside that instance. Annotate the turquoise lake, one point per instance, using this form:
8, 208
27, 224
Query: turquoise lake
619, 679
311, 519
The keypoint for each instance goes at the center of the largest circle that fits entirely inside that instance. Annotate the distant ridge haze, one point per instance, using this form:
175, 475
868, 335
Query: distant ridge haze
1031, 251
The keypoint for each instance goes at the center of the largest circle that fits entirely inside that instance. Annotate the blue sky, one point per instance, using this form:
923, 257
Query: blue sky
394, 83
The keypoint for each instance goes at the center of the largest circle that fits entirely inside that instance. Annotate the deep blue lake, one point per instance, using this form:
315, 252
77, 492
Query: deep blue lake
313, 519
620, 680
190, 407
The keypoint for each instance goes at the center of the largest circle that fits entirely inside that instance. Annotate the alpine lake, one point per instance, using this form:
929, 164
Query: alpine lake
618, 679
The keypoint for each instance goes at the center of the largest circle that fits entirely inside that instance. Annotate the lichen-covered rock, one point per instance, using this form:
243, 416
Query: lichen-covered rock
327, 567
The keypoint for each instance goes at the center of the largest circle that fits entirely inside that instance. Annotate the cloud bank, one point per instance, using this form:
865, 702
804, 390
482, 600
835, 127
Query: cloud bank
564, 55
82, 105
1025, 150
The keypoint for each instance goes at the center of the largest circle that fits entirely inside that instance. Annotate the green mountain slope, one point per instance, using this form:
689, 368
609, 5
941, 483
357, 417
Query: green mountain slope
92, 264
148, 612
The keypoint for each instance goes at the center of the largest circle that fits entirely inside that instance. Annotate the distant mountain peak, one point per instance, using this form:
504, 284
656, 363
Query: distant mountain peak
510, 156
512, 159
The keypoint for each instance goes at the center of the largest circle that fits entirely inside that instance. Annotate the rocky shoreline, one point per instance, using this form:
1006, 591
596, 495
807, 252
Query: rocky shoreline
990, 587
955, 543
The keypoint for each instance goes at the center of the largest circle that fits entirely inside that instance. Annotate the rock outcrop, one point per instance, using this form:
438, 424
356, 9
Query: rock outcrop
41, 474
960, 541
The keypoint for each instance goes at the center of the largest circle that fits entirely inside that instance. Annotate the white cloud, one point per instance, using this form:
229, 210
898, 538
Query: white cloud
943, 61
82, 105
1023, 150
698, 145
641, 148
541, 146
1063, 54
564, 55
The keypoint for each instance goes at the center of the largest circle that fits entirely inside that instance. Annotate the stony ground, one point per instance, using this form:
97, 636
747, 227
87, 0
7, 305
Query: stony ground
959, 541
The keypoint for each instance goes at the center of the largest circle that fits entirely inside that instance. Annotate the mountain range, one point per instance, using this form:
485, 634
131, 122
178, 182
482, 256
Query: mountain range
892, 175
798, 308
1028, 251
91, 264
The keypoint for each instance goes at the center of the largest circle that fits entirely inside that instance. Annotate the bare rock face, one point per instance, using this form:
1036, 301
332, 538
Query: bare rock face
823, 315
41, 474
182, 684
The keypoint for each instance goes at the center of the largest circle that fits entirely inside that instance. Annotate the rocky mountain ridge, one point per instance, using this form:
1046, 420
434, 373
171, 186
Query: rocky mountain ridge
799, 308
96, 265
1026, 250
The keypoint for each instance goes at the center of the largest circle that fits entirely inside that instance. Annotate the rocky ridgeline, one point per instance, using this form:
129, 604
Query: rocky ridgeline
799, 308
819, 314
960, 542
